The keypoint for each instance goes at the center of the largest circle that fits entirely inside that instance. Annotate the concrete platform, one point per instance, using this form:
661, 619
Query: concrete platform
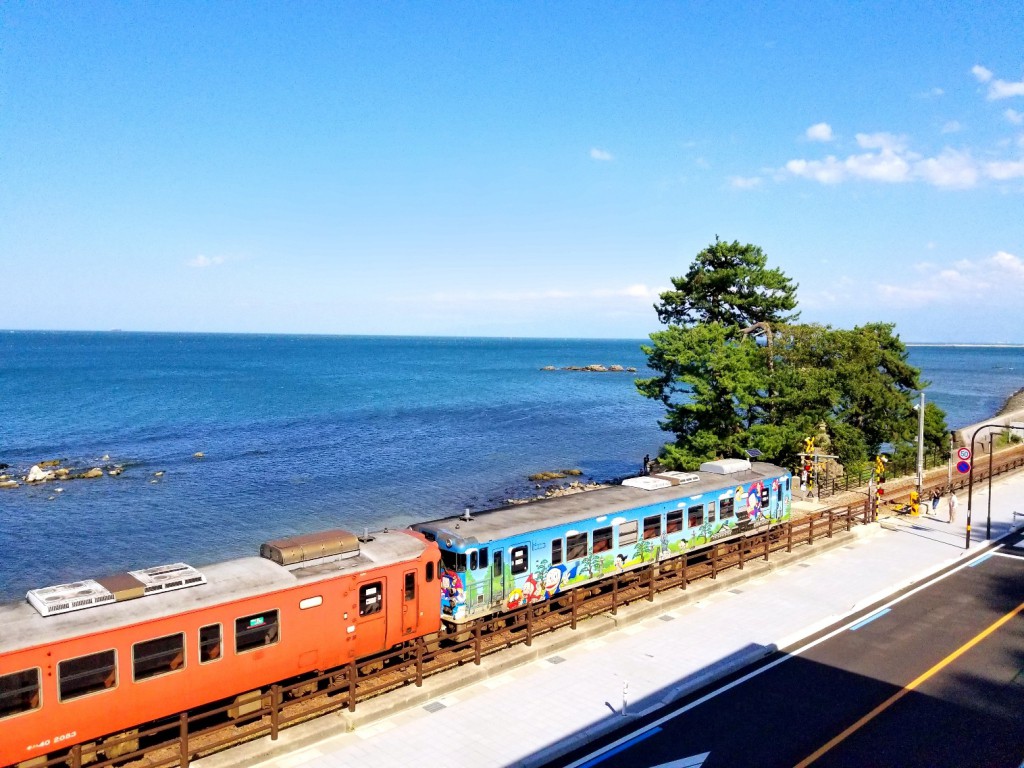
526, 706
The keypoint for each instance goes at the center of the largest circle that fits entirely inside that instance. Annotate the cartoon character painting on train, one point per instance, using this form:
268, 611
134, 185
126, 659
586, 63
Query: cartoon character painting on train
454, 592
557, 579
754, 502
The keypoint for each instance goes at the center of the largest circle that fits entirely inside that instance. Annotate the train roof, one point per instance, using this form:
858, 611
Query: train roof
22, 626
503, 522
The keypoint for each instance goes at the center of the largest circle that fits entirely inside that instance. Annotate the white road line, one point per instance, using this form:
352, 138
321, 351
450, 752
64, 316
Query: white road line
785, 657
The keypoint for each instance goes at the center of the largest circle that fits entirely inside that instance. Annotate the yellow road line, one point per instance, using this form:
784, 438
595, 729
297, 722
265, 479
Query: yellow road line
909, 687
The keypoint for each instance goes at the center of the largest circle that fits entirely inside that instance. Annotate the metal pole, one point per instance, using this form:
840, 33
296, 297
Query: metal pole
949, 465
970, 487
920, 450
988, 520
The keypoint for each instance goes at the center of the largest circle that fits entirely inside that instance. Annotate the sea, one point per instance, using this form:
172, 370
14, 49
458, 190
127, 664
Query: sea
305, 433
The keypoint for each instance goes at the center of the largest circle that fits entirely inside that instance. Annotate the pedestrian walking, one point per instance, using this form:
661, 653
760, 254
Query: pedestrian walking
953, 505
936, 498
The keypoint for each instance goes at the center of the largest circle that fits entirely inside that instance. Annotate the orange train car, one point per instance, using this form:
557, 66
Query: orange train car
83, 661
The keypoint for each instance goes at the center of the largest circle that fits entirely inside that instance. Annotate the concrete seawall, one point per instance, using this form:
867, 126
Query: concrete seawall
1011, 413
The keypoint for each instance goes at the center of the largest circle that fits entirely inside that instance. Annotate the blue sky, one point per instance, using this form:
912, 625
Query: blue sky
500, 169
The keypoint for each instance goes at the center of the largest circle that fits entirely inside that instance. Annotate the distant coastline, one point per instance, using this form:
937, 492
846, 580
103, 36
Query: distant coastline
964, 346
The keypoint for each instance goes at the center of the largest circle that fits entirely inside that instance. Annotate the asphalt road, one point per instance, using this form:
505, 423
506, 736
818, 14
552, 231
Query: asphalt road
933, 677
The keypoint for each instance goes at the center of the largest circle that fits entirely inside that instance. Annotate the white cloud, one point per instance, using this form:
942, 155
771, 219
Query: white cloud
820, 132
886, 166
951, 169
887, 142
1002, 171
1015, 117
1009, 263
964, 280
745, 182
983, 75
997, 89
1000, 89
600, 154
953, 126
202, 262
827, 171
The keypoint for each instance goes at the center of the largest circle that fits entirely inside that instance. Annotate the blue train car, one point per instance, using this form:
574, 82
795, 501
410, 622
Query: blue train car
500, 559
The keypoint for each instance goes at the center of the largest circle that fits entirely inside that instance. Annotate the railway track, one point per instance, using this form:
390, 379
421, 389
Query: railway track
194, 734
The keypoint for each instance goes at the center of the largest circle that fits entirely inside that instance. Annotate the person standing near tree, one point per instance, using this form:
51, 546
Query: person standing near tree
953, 505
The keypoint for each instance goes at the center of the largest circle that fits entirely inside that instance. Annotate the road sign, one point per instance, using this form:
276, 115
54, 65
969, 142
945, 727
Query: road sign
964, 454
963, 467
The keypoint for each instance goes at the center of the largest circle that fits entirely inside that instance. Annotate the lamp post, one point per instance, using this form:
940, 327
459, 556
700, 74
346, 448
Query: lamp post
970, 481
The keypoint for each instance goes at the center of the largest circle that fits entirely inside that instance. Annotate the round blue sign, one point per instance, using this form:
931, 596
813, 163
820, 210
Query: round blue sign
963, 467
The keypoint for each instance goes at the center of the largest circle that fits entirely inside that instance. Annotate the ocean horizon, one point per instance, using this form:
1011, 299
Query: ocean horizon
307, 432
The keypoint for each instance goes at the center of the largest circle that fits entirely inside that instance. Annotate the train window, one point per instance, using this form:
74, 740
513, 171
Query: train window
158, 657
628, 533
256, 631
602, 539
695, 516
674, 521
576, 546
410, 586
209, 643
453, 561
497, 566
430, 571
19, 692
473, 562
711, 511
725, 508
652, 527
483, 557
371, 598
765, 490
86, 674
520, 560
556, 551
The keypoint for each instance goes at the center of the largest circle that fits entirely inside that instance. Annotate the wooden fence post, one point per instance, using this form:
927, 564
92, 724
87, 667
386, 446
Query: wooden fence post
183, 739
275, 697
683, 569
353, 673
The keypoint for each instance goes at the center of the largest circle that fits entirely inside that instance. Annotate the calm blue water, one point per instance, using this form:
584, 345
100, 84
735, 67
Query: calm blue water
302, 433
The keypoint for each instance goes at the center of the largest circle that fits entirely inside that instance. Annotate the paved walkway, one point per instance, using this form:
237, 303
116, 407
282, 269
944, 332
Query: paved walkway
569, 693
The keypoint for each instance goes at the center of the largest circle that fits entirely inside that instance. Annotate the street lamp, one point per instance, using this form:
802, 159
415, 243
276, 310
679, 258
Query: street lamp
970, 481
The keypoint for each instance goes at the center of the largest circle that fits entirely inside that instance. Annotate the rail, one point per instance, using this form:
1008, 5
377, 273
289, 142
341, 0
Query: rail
178, 740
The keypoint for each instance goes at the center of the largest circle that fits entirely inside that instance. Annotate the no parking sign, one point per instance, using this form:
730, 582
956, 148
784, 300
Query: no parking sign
963, 467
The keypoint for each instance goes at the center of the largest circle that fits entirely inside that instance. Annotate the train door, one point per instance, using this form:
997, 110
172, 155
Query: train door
410, 603
371, 626
498, 577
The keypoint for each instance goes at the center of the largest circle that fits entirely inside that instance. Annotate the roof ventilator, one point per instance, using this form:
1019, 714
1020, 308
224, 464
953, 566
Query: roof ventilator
64, 598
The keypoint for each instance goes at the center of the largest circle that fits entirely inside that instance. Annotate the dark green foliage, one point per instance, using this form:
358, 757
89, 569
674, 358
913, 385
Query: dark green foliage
725, 390
730, 284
